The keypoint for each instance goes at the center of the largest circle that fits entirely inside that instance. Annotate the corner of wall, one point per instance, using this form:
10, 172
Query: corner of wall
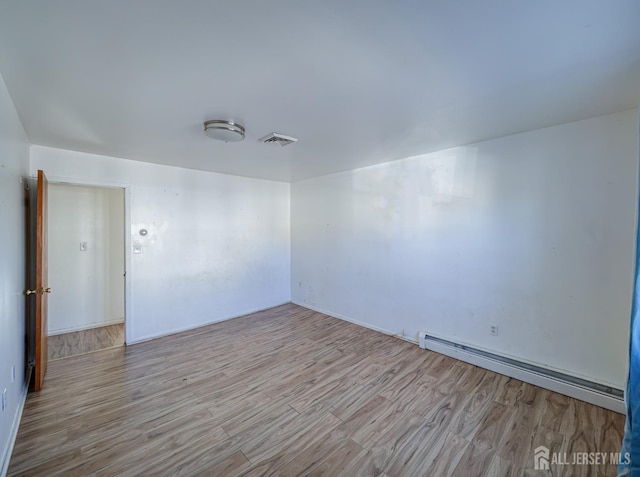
15, 154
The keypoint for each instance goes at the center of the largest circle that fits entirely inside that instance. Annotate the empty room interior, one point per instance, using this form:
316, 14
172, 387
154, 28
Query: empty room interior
319, 238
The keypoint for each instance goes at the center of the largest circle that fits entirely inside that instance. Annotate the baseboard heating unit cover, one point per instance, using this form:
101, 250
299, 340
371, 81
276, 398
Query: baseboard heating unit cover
579, 388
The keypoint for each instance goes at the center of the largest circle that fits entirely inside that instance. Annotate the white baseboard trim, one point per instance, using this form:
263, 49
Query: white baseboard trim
6, 458
355, 322
583, 394
200, 325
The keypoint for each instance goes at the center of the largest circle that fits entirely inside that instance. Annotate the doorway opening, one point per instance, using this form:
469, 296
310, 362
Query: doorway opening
86, 244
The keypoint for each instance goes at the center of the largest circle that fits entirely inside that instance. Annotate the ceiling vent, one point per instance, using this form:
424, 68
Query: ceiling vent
275, 138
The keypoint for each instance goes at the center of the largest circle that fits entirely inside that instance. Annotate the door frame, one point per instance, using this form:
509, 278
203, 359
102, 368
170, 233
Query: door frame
53, 179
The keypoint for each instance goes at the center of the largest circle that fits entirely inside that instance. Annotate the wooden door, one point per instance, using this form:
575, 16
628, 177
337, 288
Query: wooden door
42, 285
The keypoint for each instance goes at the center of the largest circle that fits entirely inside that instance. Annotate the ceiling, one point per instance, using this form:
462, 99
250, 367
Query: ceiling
358, 82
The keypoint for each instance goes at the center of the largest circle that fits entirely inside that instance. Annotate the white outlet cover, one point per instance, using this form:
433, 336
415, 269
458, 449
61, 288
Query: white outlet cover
83, 246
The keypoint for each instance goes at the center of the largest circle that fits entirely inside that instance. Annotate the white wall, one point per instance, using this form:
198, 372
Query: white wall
533, 232
217, 247
88, 285
14, 167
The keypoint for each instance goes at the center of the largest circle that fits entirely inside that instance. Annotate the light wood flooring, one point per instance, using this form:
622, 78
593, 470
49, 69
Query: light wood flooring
85, 341
293, 392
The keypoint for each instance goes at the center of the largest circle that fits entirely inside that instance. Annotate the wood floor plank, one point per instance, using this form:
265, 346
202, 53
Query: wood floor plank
338, 460
312, 395
469, 420
363, 425
500, 467
353, 400
235, 464
413, 456
287, 444
582, 438
293, 436
152, 453
408, 387
327, 395
480, 453
517, 443
447, 454
369, 463
552, 440
313, 455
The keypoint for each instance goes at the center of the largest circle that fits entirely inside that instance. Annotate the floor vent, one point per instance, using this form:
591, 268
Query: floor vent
579, 388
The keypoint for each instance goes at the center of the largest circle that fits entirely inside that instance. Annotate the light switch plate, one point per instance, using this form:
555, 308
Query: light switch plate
137, 247
83, 246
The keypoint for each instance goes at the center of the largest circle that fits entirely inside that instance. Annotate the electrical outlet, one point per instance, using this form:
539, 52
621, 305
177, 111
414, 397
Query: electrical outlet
493, 330
83, 246
4, 399
13, 373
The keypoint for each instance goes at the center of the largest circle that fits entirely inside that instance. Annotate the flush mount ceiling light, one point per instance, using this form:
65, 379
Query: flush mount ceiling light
223, 130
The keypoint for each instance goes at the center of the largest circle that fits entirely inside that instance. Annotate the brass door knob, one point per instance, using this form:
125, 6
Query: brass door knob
40, 291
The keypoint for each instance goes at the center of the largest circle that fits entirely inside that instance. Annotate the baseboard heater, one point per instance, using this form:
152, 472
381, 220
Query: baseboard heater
579, 388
